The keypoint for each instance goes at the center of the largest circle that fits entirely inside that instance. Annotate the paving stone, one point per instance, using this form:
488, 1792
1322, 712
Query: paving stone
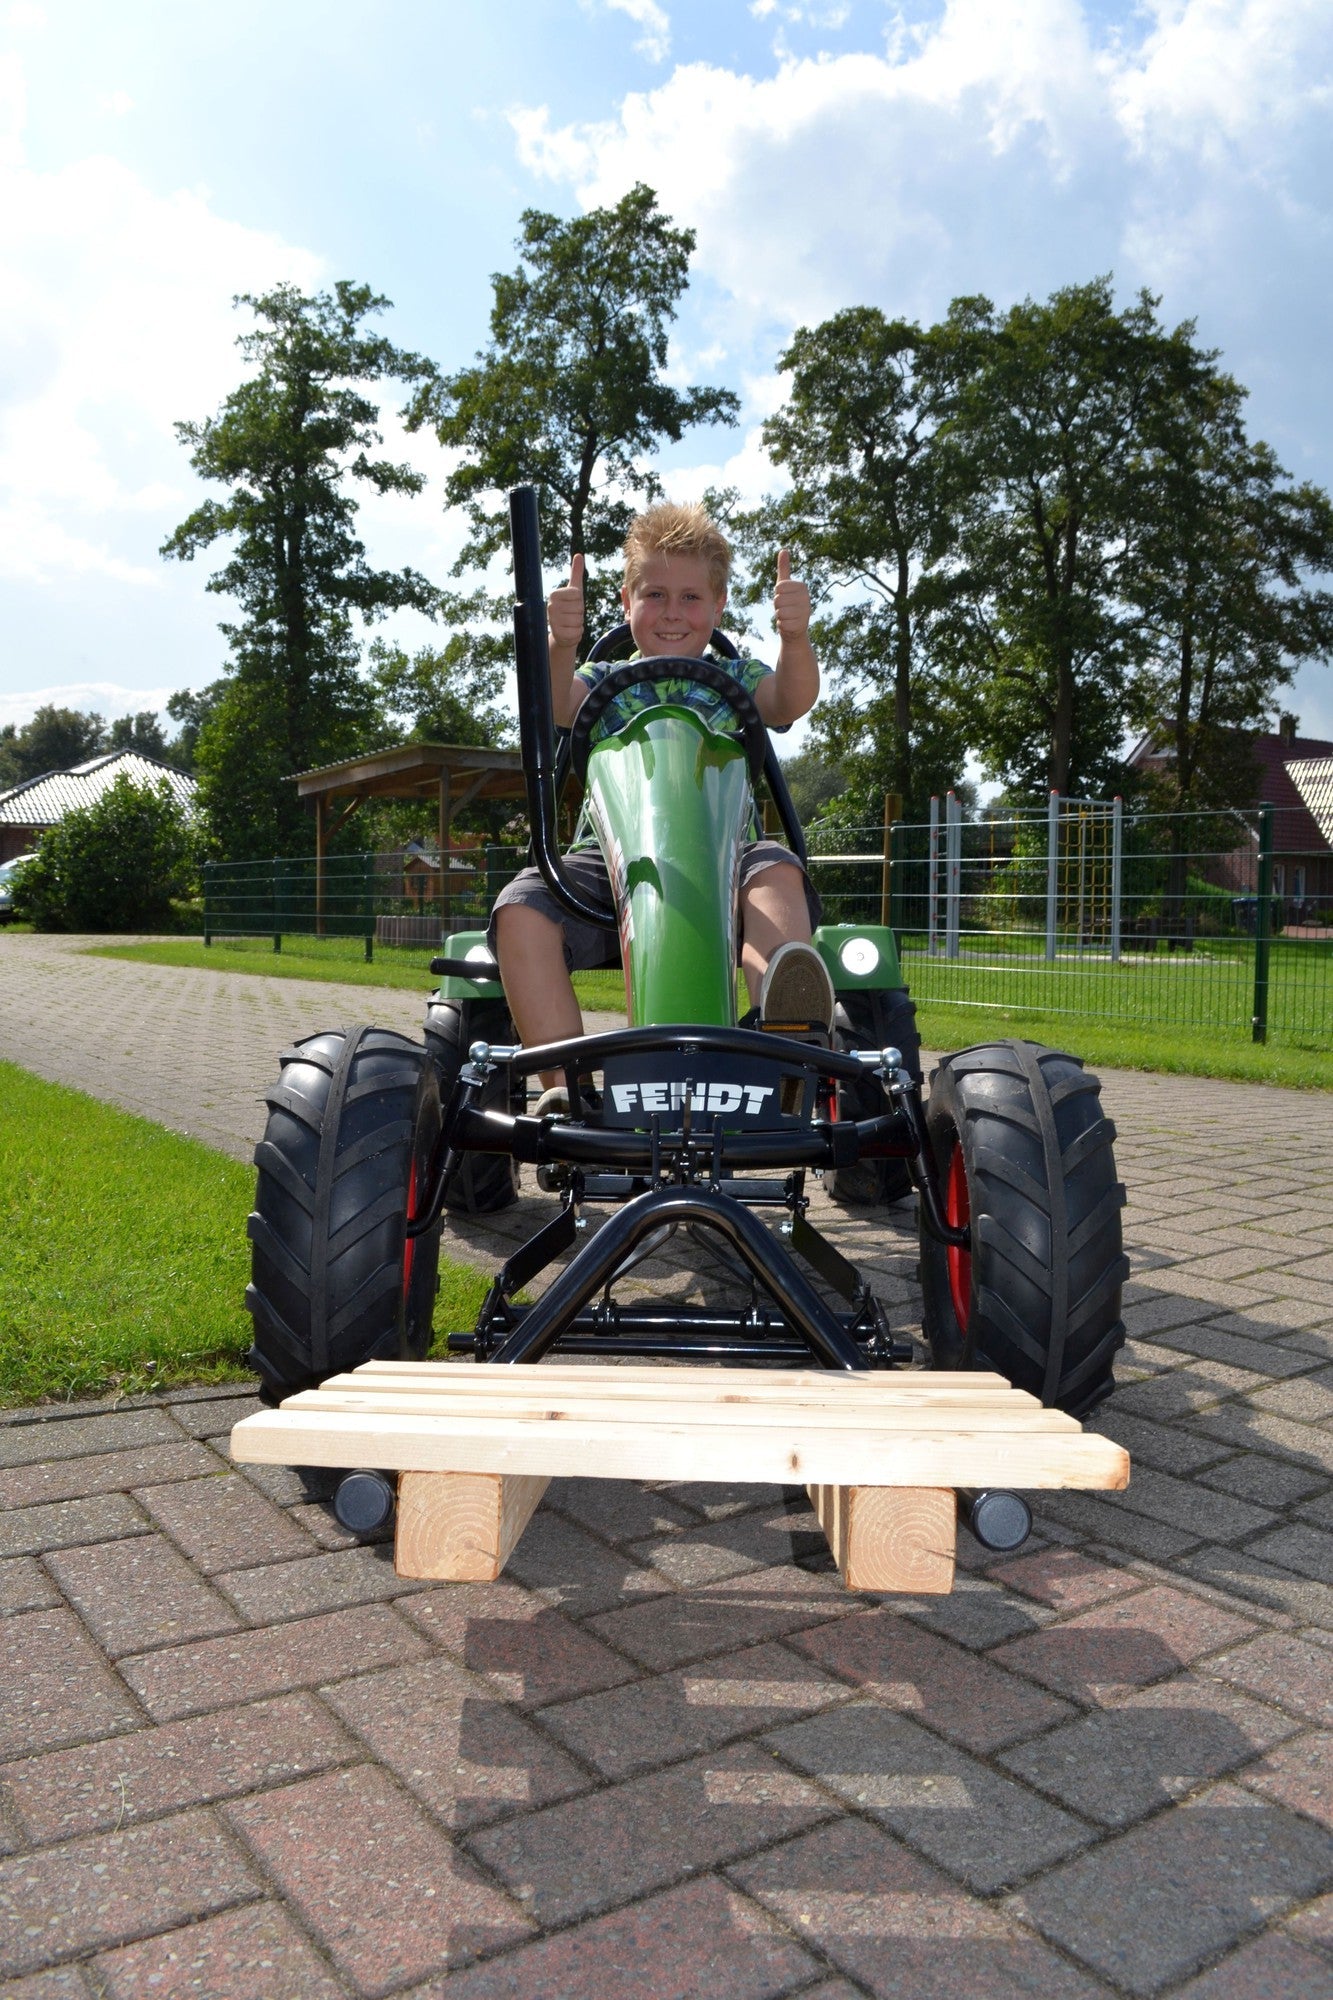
101, 1472
571, 1568
55, 1687
454, 1743
112, 1888
701, 1938
615, 1845
100, 1517
1259, 1430
1242, 1575
1126, 1760
97, 1786
374, 1879
617, 1510
1065, 1579
898, 1926
1319, 1510
1309, 1400
529, 1653
1149, 1906
1128, 1643
633, 1729
1154, 1312
58, 1982
1180, 1504
722, 1618
976, 1613
982, 1827
223, 1524
1268, 1481
730, 1547
140, 1593
34, 1442
322, 1525
25, 1586
214, 1416
255, 1953
1307, 1550
907, 1669
1214, 1343
1275, 1967
245, 1666
1283, 1668
1165, 1446
1184, 1391
1110, 1522
717, 1500
287, 1486
316, 1583
1299, 1775
1315, 1922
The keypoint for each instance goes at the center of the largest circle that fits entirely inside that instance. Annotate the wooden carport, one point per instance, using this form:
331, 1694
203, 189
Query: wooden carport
455, 775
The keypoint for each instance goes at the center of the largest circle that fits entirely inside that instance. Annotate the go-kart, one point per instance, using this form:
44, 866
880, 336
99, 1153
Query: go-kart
707, 1124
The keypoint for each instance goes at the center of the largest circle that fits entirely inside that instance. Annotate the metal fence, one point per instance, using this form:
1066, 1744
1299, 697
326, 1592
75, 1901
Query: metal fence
1215, 921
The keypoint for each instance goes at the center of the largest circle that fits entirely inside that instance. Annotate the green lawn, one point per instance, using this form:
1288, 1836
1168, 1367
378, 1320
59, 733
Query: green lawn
125, 1256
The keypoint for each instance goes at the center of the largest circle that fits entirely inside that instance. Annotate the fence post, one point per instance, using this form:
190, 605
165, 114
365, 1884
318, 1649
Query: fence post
1052, 873
368, 903
932, 883
1263, 925
208, 902
953, 863
1117, 862
277, 904
893, 811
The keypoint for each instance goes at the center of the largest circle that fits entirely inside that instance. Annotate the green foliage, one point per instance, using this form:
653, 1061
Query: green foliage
570, 394
54, 740
285, 443
114, 865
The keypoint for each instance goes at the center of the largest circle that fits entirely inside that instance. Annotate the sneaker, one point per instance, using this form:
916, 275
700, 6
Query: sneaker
797, 992
554, 1103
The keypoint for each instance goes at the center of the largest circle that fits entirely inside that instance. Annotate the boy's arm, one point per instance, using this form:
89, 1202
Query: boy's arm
564, 629
792, 689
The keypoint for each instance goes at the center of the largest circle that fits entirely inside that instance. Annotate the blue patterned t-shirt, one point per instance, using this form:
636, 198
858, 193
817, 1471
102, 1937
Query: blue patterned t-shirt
684, 693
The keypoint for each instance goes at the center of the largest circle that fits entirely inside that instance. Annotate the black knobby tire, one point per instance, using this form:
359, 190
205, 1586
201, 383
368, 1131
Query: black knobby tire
352, 1130
873, 1020
484, 1182
1025, 1156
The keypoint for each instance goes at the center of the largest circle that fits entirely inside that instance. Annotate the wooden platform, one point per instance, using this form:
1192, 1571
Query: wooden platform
880, 1453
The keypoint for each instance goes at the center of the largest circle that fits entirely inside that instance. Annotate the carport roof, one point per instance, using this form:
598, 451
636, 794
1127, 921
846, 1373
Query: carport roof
415, 770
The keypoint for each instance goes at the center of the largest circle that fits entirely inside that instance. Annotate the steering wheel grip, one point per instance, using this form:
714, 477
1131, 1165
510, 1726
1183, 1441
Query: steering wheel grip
669, 666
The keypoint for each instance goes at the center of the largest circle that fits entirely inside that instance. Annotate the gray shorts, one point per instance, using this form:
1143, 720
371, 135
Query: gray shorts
586, 945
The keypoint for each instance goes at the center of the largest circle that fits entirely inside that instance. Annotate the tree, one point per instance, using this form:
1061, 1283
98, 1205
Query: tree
1042, 451
55, 740
142, 733
286, 442
111, 866
864, 515
570, 395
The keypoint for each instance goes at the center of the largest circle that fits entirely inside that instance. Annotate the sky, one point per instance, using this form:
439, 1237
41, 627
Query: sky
157, 159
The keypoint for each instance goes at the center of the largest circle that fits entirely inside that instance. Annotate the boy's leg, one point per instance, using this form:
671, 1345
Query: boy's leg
531, 953
774, 911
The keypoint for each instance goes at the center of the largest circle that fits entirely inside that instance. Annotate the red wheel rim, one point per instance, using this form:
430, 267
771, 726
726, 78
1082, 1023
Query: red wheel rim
410, 1242
958, 1213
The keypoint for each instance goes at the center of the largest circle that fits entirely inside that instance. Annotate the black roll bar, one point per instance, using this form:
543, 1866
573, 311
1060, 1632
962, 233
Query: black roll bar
536, 728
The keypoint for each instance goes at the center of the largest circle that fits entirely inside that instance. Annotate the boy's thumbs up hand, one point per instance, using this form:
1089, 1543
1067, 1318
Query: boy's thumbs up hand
791, 601
564, 608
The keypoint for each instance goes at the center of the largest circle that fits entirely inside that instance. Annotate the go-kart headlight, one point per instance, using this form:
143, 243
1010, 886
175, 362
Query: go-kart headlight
859, 956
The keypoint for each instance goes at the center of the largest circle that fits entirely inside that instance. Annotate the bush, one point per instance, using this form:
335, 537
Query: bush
111, 866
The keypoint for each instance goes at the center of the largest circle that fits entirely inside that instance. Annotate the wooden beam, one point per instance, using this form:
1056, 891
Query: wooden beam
890, 1537
461, 1527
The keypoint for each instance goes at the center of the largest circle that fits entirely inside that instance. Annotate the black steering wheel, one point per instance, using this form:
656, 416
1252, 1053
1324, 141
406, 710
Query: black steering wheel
671, 667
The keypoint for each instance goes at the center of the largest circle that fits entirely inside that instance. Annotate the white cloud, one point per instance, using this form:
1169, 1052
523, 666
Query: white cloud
108, 698
655, 41
117, 102
118, 321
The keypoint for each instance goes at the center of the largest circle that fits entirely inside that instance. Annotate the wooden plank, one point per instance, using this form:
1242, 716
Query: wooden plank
890, 1537
555, 1408
745, 1384
931, 1451
461, 1527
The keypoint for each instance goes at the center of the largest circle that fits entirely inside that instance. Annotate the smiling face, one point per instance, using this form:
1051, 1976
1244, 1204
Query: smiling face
672, 606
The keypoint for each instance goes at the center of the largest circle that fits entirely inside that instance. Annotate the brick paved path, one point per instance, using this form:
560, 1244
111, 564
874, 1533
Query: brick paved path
668, 1756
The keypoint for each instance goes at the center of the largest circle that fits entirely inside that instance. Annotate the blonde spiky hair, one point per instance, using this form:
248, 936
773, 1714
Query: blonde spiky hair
671, 530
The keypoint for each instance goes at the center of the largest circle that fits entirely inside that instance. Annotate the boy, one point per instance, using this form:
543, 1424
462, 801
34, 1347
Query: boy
677, 564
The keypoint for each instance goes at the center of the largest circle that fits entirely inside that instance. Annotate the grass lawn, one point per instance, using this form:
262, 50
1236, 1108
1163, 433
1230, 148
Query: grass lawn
1303, 1060
126, 1257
